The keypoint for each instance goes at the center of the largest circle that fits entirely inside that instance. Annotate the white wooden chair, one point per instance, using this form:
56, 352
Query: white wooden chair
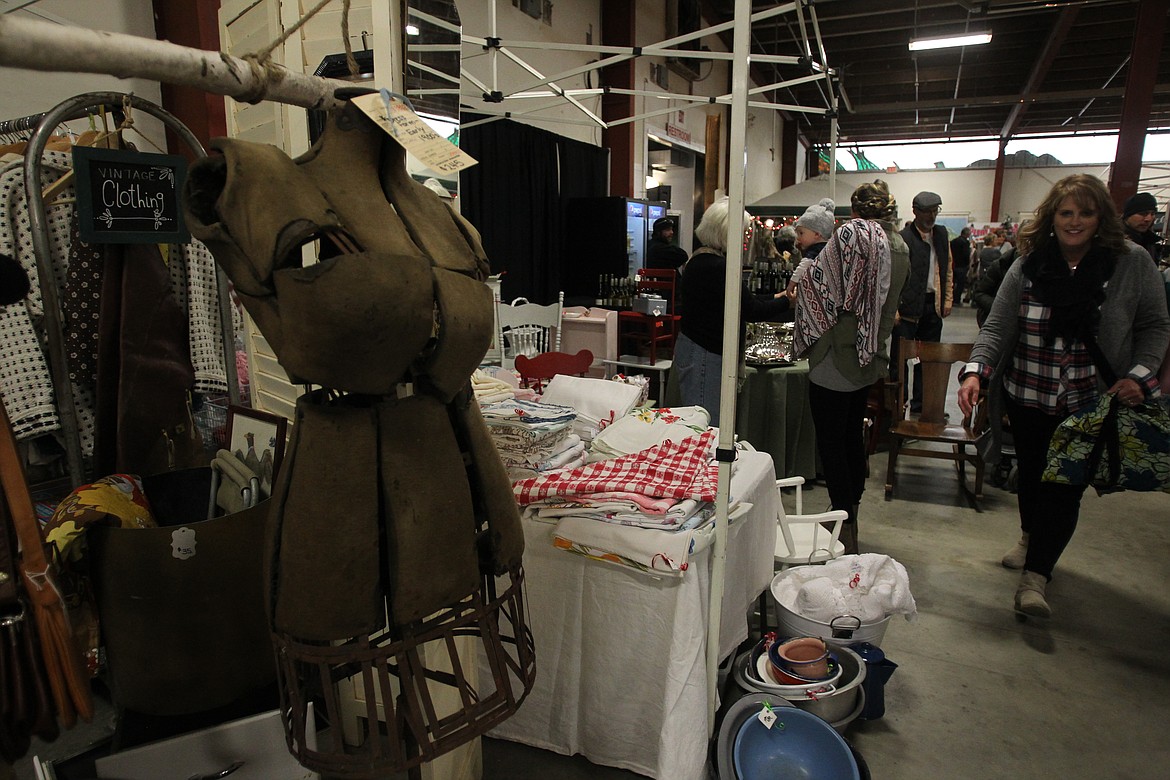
802, 539
805, 539
528, 329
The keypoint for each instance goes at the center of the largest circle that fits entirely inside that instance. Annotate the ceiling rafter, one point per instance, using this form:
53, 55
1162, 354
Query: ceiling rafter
1047, 56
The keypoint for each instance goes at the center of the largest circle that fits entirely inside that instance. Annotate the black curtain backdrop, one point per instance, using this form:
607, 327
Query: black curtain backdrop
515, 198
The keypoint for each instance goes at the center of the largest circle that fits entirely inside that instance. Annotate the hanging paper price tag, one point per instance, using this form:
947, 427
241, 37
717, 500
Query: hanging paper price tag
398, 119
767, 716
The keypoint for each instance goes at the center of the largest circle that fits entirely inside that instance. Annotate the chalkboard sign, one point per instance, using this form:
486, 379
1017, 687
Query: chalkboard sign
128, 197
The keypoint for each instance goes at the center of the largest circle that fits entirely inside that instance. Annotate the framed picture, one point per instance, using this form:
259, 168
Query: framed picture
257, 438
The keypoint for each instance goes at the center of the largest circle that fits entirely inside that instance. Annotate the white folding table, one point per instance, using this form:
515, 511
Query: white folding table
620, 655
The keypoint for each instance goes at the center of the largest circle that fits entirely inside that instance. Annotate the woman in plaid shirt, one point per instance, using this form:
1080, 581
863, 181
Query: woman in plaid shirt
1077, 277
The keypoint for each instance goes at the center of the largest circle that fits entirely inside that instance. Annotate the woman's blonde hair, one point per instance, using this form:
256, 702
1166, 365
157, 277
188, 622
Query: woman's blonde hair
1088, 192
873, 201
712, 229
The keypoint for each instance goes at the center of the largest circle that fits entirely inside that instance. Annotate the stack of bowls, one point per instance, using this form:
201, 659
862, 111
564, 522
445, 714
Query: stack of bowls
838, 700
801, 660
767, 672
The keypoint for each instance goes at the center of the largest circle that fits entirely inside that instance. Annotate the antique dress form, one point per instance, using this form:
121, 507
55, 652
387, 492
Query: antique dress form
392, 514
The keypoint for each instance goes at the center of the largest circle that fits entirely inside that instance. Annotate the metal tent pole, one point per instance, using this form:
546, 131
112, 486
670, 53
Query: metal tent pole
731, 310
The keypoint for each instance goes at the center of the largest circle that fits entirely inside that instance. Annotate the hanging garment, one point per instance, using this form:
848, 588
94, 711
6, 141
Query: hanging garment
25, 381
81, 305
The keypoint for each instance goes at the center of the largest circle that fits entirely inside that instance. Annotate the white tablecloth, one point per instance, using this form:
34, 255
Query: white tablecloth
620, 656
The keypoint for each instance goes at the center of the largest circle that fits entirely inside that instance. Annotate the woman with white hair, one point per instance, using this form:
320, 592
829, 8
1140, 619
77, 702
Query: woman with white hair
698, 352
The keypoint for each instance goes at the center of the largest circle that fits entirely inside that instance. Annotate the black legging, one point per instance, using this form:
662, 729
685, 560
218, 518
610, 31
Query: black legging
1048, 510
837, 417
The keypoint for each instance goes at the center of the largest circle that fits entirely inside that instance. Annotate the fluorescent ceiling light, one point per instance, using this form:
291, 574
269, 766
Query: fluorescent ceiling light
969, 39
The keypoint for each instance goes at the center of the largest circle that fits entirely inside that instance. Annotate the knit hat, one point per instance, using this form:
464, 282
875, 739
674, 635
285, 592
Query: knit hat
1137, 203
819, 218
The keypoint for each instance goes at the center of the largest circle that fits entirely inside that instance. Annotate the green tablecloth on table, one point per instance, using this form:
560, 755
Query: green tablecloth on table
772, 413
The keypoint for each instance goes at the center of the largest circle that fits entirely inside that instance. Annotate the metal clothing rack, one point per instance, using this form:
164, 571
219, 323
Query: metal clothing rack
79, 107
28, 123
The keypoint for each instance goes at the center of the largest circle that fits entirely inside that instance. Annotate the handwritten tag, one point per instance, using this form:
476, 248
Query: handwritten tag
767, 716
416, 136
183, 543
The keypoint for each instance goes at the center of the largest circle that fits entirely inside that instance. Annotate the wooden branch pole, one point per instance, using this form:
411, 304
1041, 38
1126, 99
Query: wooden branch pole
38, 45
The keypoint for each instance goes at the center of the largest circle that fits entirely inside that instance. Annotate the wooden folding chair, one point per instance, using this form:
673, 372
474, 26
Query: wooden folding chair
931, 426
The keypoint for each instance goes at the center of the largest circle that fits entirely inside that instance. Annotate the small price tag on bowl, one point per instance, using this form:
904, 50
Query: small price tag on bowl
397, 118
767, 716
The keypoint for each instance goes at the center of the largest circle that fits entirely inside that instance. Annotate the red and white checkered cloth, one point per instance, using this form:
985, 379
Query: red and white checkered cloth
682, 469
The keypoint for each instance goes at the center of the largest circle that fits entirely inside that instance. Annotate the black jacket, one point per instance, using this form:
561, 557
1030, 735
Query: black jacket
701, 303
960, 254
914, 293
660, 254
983, 293
1147, 241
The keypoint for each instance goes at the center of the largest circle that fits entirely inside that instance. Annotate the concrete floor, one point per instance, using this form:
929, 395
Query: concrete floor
980, 693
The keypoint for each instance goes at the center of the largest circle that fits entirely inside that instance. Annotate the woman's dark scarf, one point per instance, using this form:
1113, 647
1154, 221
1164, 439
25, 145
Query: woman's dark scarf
1074, 298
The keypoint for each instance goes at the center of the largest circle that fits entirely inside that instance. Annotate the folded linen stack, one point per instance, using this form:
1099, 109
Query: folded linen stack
569, 454
598, 402
664, 492
533, 437
493, 384
644, 428
490, 388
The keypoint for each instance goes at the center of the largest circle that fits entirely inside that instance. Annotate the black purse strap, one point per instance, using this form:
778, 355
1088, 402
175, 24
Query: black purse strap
1099, 360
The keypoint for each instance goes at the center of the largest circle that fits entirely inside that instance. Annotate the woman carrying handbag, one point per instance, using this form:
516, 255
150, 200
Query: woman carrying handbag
1078, 277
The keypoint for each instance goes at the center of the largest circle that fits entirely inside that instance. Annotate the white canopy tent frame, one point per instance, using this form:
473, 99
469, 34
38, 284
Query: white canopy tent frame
47, 47
738, 100
496, 47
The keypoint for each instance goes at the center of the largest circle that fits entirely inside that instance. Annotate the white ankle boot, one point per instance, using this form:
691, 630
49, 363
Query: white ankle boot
1030, 595
1014, 558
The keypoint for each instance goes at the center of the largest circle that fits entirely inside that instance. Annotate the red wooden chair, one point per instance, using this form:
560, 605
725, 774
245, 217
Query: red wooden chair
647, 332
538, 369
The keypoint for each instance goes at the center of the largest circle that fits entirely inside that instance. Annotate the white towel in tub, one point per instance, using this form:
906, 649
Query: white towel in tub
870, 586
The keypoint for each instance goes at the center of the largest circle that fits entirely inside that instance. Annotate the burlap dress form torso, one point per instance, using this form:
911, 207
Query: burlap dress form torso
392, 514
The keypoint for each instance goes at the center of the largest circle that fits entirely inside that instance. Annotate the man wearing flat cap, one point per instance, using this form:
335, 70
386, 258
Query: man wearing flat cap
927, 296
1138, 215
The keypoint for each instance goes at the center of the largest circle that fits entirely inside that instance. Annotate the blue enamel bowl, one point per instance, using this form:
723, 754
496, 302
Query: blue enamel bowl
799, 744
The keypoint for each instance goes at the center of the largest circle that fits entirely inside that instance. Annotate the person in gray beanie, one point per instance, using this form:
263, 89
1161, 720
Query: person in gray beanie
1138, 215
814, 227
